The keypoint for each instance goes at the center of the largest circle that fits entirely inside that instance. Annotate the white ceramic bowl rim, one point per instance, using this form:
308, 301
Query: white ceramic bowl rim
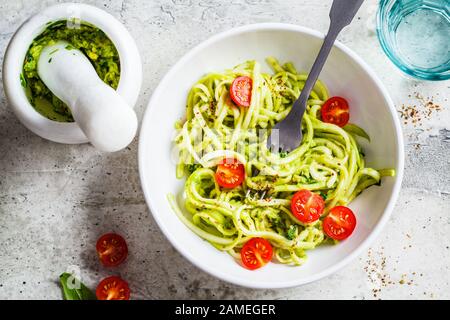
381, 222
130, 66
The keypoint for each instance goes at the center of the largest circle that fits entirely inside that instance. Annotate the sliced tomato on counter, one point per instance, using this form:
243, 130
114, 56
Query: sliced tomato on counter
339, 223
307, 206
230, 173
112, 249
336, 111
256, 253
241, 91
113, 288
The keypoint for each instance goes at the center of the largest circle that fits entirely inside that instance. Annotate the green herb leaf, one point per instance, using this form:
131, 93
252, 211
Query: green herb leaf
53, 51
324, 195
23, 82
192, 167
361, 152
292, 232
355, 130
74, 289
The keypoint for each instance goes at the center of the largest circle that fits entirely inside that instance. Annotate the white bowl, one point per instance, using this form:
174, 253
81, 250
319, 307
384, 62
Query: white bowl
345, 74
130, 67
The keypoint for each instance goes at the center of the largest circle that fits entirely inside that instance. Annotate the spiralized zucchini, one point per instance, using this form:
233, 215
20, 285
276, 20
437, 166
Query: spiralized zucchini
329, 161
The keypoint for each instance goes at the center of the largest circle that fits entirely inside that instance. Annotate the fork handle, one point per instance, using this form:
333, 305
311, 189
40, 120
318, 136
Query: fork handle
341, 14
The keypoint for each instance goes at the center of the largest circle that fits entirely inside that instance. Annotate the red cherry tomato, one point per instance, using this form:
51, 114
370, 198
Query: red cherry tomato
307, 206
111, 249
335, 110
256, 253
241, 91
230, 173
339, 223
113, 288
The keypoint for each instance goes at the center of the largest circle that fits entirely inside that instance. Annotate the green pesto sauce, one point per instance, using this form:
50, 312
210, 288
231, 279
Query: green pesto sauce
90, 40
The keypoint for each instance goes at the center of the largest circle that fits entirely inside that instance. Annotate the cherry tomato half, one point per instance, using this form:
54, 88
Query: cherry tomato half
241, 91
113, 288
307, 206
335, 110
256, 253
112, 249
230, 173
339, 223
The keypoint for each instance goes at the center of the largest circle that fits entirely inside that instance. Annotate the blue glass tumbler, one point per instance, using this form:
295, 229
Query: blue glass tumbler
415, 35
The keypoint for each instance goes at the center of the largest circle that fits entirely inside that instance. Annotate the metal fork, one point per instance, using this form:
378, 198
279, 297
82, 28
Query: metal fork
287, 134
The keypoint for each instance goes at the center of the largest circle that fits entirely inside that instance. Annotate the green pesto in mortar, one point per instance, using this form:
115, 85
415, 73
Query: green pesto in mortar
90, 40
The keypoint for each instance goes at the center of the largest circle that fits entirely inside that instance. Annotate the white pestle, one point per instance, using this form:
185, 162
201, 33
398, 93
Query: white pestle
106, 119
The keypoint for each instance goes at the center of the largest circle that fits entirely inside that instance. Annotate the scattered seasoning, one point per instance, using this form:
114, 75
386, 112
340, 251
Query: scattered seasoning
415, 113
403, 279
377, 275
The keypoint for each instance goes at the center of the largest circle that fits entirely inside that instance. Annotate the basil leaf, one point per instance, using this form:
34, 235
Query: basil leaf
80, 292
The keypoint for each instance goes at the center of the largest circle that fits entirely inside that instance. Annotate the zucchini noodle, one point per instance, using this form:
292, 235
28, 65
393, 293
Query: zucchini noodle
329, 161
